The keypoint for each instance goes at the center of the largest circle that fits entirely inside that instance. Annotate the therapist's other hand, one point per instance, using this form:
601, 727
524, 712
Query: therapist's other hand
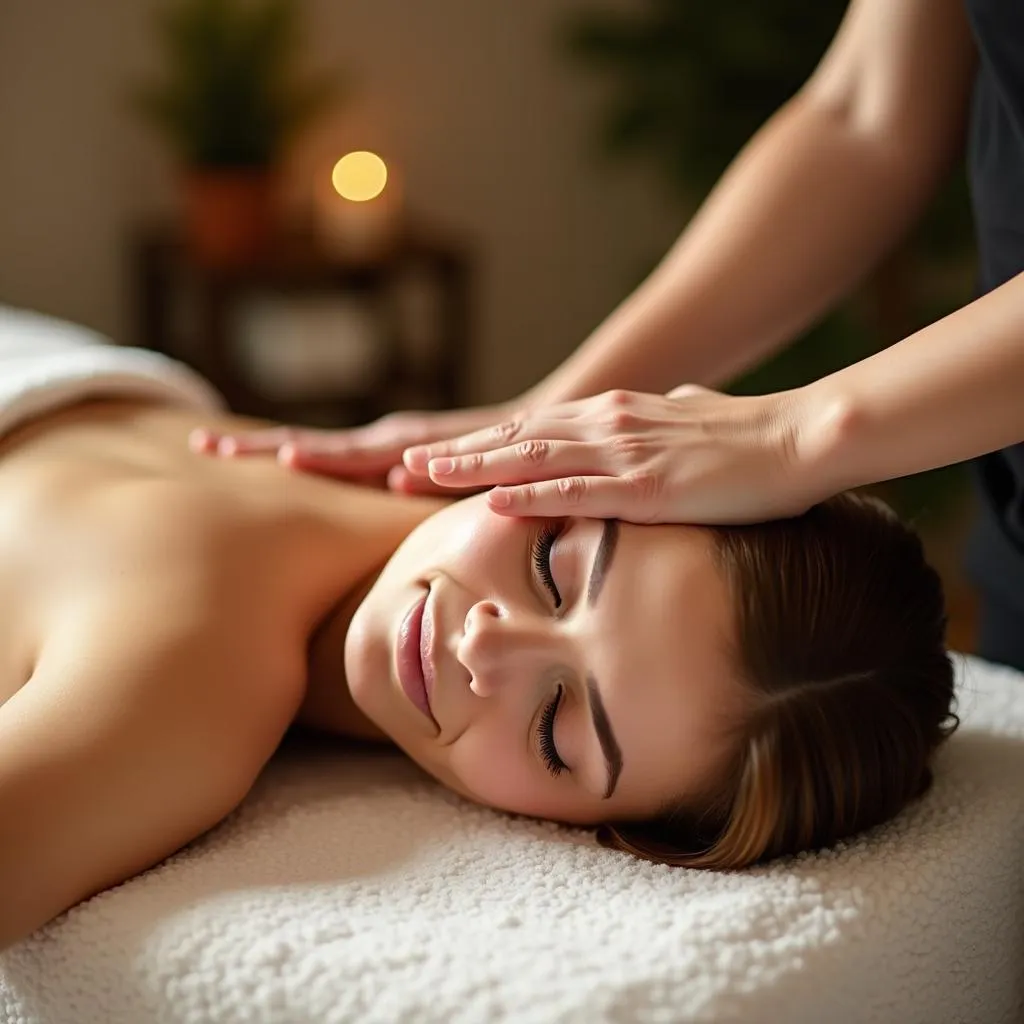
371, 453
694, 456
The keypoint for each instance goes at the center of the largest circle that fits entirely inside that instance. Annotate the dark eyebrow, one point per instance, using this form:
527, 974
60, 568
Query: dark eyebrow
602, 726
609, 745
603, 559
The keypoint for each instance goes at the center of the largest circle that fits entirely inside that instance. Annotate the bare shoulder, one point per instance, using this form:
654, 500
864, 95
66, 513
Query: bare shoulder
136, 733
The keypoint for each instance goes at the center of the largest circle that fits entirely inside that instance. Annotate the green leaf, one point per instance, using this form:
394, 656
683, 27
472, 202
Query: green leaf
230, 94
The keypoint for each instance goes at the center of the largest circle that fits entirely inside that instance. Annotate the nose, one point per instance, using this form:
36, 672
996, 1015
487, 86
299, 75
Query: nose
499, 645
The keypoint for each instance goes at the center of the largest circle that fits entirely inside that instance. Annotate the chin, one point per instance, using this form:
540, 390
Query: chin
367, 668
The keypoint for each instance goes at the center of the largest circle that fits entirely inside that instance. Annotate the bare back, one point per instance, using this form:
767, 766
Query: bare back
155, 608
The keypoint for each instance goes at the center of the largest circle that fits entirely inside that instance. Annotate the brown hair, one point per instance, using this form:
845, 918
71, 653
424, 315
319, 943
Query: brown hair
840, 641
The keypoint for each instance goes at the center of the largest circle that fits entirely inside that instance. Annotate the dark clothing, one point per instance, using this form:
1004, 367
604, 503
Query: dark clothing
995, 557
1000, 637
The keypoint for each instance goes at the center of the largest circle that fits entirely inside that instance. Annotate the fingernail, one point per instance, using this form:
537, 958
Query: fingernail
499, 498
442, 467
286, 454
227, 446
413, 457
199, 440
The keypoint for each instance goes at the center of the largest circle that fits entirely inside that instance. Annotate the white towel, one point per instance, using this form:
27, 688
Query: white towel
349, 887
46, 364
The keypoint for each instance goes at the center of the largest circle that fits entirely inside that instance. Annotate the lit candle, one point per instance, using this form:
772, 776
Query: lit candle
359, 206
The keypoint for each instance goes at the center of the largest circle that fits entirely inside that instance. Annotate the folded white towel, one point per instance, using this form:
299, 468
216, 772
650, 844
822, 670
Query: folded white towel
349, 887
46, 364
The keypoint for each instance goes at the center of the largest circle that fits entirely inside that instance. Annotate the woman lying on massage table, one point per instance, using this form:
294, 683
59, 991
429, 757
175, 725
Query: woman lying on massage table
715, 696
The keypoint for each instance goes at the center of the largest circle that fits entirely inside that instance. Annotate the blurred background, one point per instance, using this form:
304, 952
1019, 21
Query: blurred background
334, 208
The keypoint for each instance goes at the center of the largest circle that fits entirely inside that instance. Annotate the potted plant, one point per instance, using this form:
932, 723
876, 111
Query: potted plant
228, 102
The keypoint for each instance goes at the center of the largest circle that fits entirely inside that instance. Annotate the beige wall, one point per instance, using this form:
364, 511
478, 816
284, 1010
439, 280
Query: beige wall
491, 129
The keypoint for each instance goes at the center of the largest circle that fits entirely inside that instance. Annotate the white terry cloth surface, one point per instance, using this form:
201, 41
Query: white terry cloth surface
349, 887
46, 364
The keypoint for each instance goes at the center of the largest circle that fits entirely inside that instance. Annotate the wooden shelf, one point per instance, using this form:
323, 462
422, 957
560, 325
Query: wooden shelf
190, 311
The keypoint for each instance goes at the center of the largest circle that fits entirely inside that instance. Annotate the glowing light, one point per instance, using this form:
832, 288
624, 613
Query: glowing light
360, 176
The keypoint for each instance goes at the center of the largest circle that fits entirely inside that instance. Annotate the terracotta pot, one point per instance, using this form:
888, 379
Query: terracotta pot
229, 215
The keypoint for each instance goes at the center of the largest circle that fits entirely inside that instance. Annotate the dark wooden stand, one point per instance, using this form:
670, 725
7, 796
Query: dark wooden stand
187, 311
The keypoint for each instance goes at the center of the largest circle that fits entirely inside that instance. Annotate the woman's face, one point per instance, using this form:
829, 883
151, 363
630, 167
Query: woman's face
576, 669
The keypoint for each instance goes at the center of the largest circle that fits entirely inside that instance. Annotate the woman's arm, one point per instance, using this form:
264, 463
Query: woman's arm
116, 753
950, 392
809, 206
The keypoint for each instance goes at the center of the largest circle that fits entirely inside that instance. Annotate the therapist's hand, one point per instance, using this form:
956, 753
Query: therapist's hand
694, 456
370, 454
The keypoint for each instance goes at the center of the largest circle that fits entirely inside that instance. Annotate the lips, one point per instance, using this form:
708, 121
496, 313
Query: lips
427, 649
415, 675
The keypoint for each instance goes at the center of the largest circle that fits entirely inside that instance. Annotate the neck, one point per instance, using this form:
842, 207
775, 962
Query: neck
328, 705
365, 527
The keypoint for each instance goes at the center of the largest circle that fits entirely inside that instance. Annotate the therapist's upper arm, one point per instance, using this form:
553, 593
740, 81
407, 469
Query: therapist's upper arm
901, 71
112, 760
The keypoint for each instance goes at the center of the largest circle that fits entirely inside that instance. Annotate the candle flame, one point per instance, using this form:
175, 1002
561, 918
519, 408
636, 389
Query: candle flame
360, 176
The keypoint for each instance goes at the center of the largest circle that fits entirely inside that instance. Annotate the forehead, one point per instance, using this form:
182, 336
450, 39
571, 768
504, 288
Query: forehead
668, 683
664, 585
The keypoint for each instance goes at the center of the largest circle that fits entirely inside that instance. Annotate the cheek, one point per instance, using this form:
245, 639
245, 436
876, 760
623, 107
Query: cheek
464, 541
478, 549
494, 770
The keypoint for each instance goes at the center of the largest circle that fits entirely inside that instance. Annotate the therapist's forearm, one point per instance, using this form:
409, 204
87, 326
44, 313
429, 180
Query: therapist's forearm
950, 392
810, 205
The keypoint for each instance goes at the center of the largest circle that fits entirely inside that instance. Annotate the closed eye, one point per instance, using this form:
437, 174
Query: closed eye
546, 736
541, 555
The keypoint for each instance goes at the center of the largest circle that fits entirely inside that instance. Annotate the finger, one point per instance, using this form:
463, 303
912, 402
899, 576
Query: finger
202, 441
257, 442
348, 465
598, 497
401, 480
375, 447
689, 391
501, 435
404, 482
367, 449
347, 462
395, 432
520, 463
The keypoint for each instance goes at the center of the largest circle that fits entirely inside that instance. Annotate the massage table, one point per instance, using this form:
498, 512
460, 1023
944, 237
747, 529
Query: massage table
351, 887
